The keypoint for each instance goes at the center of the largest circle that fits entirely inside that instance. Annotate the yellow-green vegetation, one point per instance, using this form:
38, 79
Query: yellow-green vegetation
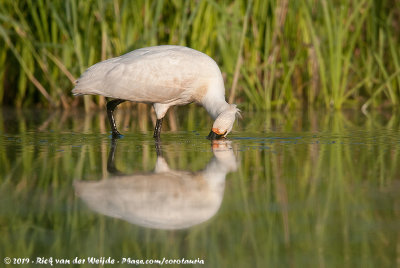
273, 53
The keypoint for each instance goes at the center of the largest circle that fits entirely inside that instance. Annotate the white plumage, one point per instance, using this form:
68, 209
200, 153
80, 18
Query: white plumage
165, 198
163, 76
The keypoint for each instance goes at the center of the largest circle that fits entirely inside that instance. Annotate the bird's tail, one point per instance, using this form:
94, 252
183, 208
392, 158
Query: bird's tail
92, 80
76, 91
88, 84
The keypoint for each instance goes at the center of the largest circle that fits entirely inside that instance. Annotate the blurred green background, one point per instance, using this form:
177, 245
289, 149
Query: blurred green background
311, 189
272, 53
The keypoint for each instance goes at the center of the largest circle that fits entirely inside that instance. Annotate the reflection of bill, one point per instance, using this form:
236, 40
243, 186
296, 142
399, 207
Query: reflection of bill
165, 198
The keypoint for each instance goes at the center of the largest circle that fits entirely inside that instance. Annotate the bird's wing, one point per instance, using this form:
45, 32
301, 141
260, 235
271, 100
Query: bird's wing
153, 75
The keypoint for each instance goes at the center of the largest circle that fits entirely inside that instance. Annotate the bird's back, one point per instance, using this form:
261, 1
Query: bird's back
160, 74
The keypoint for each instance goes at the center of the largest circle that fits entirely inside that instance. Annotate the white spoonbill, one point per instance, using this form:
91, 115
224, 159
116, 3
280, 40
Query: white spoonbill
163, 76
165, 198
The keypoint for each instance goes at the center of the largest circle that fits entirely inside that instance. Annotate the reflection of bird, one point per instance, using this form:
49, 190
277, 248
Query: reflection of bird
165, 198
164, 76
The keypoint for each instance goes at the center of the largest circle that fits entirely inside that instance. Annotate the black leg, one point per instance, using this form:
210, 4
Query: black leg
111, 160
158, 147
110, 109
157, 130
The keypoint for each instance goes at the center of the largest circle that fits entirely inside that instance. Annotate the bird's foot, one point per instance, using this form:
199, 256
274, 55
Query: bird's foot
116, 135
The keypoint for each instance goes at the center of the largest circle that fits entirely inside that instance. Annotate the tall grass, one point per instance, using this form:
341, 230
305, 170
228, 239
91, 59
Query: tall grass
273, 53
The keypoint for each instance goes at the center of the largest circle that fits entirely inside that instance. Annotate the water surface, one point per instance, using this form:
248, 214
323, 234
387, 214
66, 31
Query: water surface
309, 189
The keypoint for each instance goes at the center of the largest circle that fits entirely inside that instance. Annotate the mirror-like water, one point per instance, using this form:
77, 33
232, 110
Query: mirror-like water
313, 189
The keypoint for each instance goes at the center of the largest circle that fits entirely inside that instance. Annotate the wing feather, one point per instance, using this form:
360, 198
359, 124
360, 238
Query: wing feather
157, 74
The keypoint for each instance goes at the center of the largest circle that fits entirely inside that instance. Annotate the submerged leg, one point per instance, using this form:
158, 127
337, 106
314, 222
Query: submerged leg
110, 109
158, 147
111, 161
157, 129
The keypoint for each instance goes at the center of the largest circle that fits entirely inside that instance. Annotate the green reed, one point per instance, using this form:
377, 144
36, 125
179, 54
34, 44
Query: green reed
273, 54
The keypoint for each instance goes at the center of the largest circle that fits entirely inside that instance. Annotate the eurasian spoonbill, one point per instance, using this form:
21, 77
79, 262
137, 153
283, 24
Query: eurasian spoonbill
165, 198
163, 76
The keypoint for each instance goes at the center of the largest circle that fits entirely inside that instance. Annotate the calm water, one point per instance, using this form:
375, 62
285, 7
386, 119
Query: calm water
311, 189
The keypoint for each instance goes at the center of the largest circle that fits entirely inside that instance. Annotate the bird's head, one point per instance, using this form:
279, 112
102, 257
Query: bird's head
224, 122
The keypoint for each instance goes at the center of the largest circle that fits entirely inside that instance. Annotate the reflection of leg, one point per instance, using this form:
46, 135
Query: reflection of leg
110, 109
157, 129
111, 158
158, 147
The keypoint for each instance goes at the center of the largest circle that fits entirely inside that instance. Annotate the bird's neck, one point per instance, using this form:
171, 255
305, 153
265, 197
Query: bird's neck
215, 106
